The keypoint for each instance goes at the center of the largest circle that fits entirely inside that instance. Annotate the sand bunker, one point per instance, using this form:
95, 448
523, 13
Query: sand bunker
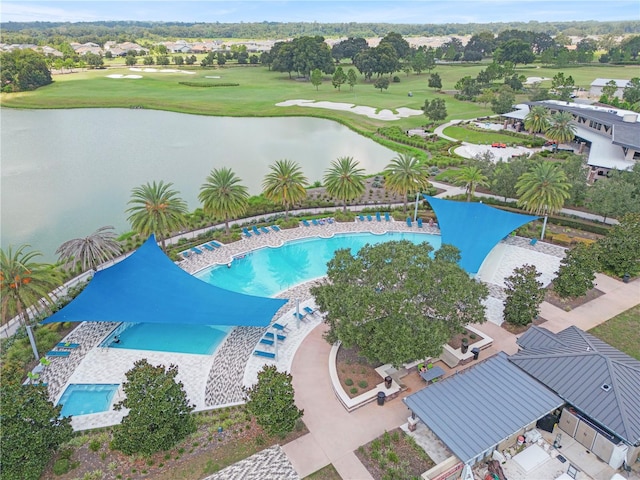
165, 70
370, 112
532, 80
118, 75
212, 76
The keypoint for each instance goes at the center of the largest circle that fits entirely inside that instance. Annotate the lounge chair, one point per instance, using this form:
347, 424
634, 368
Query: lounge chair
264, 229
315, 222
260, 353
361, 218
208, 247
298, 316
309, 310
533, 241
67, 345
255, 230
369, 218
386, 216
58, 353
275, 228
186, 254
246, 231
279, 326
281, 338
378, 216
419, 223
266, 341
196, 250
215, 244
306, 223
329, 221
409, 223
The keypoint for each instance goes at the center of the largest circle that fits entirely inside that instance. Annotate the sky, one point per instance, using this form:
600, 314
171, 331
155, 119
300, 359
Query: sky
325, 11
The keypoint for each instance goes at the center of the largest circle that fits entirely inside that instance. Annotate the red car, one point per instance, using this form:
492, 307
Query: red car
499, 145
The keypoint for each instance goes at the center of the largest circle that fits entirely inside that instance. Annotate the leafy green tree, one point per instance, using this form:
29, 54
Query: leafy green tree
431, 59
90, 252
543, 190
339, 78
159, 415
515, 51
419, 61
316, 78
435, 109
577, 172
348, 48
537, 120
435, 81
23, 283
406, 174
620, 248
561, 129
470, 177
395, 302
577, 272
32, 430
285, 184
487, 96
94, 60
309, 54
131, 60
344, 180
506, 174
352, 78
564, 86
272, 402
524, 294
610, 89
631, 92
381, 83
23, 70
468, 88
504, 101
156, 208
615, 196
399, 44
223, 196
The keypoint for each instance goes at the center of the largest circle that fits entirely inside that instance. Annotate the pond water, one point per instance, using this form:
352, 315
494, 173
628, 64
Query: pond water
66, 173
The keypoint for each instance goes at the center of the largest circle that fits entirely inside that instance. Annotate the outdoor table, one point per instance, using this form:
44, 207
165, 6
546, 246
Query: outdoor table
432, 374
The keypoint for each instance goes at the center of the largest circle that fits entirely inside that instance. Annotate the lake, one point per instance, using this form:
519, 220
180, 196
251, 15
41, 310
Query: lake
66, 173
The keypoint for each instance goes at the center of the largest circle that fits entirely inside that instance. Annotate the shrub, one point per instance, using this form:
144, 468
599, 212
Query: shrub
348, 382
94, 445
61, 466
363, 384
353, 390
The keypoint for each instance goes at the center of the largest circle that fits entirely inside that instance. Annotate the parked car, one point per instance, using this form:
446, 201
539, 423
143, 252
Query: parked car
499, 145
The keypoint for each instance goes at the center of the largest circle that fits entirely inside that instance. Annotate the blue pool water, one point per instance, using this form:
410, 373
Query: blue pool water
268, 271
197, 339
81, 399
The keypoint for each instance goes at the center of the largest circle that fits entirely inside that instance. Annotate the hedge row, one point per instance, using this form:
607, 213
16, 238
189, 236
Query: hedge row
209, 84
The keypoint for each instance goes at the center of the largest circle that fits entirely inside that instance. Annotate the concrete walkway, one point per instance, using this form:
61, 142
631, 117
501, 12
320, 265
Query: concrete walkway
335, 434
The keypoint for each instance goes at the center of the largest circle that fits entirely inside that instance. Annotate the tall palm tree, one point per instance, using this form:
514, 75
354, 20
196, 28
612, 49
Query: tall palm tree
155, 208
537, 120
543, 190
471, 177
344, 181
222, 195
285, 184
406, 174
24, 283
561, 129
90, 251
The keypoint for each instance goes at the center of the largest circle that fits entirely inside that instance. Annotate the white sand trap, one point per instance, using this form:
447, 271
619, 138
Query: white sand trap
371, 112
165, 70
470, 150
532, 80
118, 75
212, 76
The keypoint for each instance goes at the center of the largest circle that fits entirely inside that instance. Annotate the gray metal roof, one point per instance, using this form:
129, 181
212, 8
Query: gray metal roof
482, 405
576, 365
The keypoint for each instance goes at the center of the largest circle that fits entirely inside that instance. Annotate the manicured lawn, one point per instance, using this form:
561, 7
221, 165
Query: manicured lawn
622, 332
481, 138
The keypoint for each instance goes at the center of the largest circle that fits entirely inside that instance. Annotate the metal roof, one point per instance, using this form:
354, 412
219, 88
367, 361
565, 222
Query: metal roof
482, 405
576, 365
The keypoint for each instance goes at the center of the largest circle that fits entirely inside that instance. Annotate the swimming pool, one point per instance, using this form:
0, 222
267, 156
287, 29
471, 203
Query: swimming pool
180, 338
82, 399
268, 271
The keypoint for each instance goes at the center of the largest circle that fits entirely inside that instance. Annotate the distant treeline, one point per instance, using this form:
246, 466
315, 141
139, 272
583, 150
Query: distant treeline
99, 32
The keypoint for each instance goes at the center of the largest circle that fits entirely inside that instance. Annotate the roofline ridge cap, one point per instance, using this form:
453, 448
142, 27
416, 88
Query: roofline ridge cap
621, 404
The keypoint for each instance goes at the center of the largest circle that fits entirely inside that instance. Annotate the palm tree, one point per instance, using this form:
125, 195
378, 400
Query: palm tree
561, 129
543, 190
156, 209
471, 177
344, 181
24, 283
285, 184
537, 120
223, 196
406, 174
90, 251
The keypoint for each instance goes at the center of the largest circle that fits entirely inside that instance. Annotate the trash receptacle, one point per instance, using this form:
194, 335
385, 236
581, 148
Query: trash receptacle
476, 352
387, 381
381, 396
626, 277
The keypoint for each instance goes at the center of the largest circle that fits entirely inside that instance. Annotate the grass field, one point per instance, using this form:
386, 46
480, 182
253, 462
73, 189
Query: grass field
622, 332
260, 89
482, 138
